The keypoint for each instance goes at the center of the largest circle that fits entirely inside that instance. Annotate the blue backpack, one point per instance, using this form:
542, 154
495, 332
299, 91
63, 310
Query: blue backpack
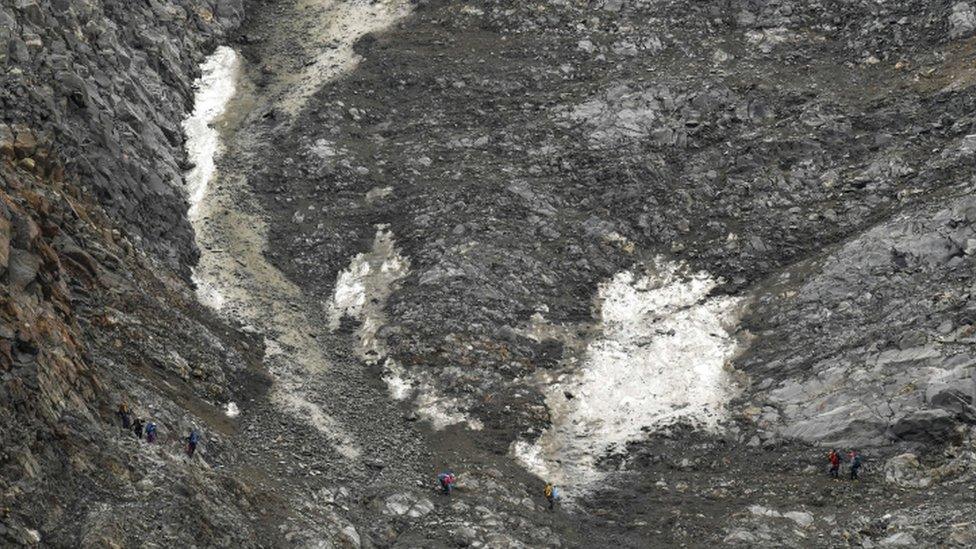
194, 437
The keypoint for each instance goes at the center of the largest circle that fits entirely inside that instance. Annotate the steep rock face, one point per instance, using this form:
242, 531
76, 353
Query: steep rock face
108, 83
86, 323
518, 153
880, 331
92, 96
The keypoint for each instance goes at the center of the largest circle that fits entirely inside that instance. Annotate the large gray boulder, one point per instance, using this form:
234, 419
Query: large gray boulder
929, 426
962, 20
904, 470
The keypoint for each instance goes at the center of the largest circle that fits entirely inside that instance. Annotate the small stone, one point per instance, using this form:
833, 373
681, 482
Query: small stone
970, 248
899, 539
24, 142
349, 538
801, 518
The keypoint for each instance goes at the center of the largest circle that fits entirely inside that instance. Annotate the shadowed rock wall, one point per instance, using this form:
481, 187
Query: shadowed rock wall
107, 83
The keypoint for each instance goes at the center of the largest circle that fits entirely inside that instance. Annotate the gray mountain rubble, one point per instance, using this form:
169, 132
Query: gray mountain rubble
497, 163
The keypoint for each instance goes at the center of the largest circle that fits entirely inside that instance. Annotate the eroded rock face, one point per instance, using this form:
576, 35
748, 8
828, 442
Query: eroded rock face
106, 85
91, 96
898, 372
962, 20
85, 324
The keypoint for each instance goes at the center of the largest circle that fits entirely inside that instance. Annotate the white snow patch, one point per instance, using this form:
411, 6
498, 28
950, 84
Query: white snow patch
396, 380
661, 358
361, 291
208, 292
214, 90
231, 410
443, 411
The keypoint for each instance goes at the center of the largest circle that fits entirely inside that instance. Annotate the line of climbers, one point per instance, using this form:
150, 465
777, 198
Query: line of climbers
854, 463
448, 479
141, 429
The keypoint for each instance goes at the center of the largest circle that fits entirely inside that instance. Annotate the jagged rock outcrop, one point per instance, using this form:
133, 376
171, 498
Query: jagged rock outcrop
86, 322
91, 204
107, 84
902, 369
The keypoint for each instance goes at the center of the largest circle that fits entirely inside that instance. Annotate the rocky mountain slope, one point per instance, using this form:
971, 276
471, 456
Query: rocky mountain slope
490, 236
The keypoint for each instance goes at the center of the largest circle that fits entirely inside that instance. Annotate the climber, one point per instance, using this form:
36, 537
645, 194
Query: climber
137, 427
834, 458
123, 413
447, 480
150, 432
855, 464
191, 442
552, 495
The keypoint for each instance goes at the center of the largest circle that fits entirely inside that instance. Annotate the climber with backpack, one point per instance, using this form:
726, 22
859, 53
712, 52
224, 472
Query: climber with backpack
552, 495
447, 480
191, 443
150, 432
124, 416
834, 458
855, 464
137, 428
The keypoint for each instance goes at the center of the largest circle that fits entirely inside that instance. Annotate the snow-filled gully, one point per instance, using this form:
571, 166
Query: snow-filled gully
233, 277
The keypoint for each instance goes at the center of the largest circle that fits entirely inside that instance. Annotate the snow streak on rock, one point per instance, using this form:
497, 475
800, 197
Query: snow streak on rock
214, 90
348, 20
233, 276
661, 358
231, 410
360, 293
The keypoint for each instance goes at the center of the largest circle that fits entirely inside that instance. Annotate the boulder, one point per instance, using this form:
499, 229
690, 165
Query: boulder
962, 20
904, 470
898, 539
6, 141
931, 426
801, 518
408, 504
349, 538
24, 143
22, 268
